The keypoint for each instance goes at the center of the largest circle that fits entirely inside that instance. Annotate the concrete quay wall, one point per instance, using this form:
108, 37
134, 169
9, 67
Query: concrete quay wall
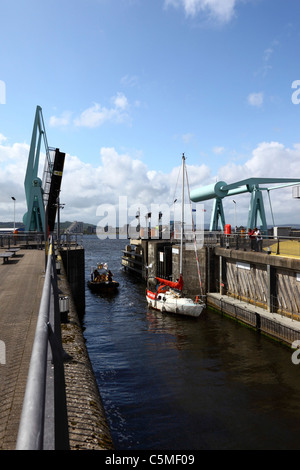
268, 281
161, 258
258, 289
73, 262
88, 426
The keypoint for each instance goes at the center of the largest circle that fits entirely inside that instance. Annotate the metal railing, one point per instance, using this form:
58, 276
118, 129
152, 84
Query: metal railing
71, 240
44, 424
275, 245
22, 239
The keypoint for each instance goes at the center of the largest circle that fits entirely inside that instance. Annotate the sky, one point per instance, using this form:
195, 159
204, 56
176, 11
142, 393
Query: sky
127, 86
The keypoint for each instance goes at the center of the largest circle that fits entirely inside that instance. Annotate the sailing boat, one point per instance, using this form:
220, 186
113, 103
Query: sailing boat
169, 297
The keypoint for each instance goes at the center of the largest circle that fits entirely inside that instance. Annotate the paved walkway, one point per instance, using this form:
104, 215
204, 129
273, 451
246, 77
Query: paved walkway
21, 284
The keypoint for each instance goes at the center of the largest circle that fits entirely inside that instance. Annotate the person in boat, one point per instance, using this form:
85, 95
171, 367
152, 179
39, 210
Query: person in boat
109, 276
96, 276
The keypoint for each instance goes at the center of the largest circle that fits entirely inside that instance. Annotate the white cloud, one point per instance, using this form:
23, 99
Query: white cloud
256, 99
221, 10
268, 160
86, 186
267, 56
120, 101
268, 53
118, 175
63, 120
218, 150
187, 138
96, 115
13, 164
129, 80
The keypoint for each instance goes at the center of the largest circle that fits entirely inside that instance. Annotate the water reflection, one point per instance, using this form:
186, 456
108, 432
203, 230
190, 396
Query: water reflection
170, 382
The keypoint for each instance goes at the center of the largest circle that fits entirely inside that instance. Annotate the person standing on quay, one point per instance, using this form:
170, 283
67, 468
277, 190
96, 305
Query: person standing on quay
258, 237
252, 239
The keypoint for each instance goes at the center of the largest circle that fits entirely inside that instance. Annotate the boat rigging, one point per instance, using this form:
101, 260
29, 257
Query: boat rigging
168, 296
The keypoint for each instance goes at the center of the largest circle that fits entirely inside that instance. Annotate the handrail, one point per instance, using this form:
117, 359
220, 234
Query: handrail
24, 239
33, 420
269, 244
71, 240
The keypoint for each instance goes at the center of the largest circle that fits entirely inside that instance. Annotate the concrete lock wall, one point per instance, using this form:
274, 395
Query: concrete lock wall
163, 260
288, 290
247, 282
190, 270
73, 261
258, 289
269, 281
272, 282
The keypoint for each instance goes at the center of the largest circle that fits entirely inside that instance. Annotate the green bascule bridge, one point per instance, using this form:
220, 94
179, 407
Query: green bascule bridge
256, 214
42, 195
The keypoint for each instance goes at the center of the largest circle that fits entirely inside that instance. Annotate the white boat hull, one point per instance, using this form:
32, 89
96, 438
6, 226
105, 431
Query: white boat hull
169, 303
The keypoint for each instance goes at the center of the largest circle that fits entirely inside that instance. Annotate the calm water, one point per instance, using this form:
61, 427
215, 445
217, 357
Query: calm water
171, 383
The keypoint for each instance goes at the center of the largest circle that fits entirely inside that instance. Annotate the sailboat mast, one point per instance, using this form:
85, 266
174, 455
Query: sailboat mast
182, 214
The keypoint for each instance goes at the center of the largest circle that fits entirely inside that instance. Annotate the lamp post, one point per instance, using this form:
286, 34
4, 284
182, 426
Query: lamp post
14, 199
138, 227
59, 206
235, 226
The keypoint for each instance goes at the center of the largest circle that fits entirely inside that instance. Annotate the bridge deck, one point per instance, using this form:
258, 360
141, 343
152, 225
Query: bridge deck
21, 284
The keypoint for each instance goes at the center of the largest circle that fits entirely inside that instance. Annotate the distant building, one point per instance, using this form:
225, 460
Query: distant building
91, 229
75, 227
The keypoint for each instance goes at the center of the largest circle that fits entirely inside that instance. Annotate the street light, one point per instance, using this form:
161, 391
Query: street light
59, 206
14, 199
234, 214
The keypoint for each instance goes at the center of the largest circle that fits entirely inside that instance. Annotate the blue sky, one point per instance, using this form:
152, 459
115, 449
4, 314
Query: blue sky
127, 86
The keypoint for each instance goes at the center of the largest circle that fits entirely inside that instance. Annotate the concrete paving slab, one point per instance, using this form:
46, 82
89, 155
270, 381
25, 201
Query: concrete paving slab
21, 284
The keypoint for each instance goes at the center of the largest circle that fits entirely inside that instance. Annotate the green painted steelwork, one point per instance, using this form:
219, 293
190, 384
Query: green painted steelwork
34, 219
252, 185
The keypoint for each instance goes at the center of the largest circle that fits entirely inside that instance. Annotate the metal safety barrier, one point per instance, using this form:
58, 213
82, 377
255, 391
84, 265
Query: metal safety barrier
44, 423
270, 244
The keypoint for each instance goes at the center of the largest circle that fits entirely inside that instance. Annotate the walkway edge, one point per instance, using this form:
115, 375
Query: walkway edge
88, 426
272, 324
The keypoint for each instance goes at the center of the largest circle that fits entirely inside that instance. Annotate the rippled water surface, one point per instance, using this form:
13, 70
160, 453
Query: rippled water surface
169, 382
